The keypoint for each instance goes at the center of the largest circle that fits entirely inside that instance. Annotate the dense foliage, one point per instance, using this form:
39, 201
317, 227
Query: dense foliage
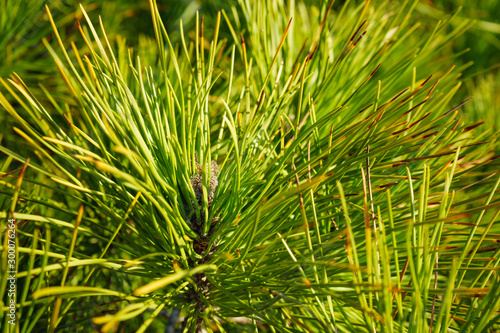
279, 166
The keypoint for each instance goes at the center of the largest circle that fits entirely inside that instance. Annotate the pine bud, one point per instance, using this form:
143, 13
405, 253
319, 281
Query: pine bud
197, 181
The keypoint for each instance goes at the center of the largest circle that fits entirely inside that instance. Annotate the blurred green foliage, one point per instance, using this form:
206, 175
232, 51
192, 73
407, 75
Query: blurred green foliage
478, 50
24, 23
482, 40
